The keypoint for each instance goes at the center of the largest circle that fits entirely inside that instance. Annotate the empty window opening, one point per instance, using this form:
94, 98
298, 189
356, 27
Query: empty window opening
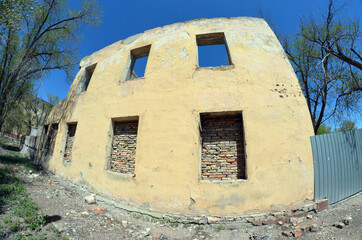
123, 155
88, 75
71, 128
50, 139
223, 153
46, 127
139, 58
44, 137
212, 50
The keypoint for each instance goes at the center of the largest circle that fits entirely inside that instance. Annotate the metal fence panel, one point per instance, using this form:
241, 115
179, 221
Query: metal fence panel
337, 159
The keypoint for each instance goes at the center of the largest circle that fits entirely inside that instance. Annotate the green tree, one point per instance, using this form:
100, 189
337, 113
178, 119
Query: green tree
332, 87
37, 110
324, 129
15, 121
347, 125
30, 111
35, 38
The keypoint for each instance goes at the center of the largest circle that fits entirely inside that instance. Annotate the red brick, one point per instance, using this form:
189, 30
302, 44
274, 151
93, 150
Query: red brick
322, 204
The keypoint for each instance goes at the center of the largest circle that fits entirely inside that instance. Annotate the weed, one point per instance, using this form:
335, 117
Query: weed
220, 227
42, 237
52, 228
16, 160
199, 227
14, 197
162, 221
15, 226
7, 219
38, 223
136, 215
186, 225
174, 224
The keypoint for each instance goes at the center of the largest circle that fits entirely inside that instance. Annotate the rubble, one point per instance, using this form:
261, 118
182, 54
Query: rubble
90, 199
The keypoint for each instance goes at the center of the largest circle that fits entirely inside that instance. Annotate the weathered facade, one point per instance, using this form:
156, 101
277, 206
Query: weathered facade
187, 139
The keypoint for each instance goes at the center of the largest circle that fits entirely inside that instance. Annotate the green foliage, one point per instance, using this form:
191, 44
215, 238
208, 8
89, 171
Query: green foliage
347, 126
220, 227
52, 99
15, 226
174, 224
14, 195
28, 112
332, 87
324, 129
17, 161
14, 198
35, 38
11, 10
15, 120
199, 227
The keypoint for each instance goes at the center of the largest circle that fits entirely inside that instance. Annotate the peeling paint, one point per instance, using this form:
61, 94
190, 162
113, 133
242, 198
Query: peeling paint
168, 101
184, 54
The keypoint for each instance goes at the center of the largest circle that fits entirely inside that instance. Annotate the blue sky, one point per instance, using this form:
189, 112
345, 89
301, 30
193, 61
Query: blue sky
122, 19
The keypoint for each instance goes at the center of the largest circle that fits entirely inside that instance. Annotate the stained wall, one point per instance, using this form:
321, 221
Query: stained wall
260, 84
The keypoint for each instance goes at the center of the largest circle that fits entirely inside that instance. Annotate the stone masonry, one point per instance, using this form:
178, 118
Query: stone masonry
69, 142
124, 147
223, 155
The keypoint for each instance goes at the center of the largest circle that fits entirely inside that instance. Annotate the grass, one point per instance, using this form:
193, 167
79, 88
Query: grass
19, 216
5, 144
17, 161
220, 227
199, 227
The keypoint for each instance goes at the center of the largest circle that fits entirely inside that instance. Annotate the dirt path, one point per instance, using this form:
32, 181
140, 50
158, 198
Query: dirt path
70, 213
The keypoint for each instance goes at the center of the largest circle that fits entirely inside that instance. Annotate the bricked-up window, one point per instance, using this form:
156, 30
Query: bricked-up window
123, 155
212, 50
71, 128
50, 139
223, 153
88, 75
139, 58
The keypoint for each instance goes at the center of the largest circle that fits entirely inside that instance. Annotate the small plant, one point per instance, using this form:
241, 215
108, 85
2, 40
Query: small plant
42, 237
199, 227
220, 227
154, 220
136, 215
162, 221
7, 219
174, 224
15, 226
52, 228
186, 225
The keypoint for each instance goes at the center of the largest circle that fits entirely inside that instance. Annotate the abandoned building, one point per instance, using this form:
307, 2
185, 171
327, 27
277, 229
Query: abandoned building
185, 138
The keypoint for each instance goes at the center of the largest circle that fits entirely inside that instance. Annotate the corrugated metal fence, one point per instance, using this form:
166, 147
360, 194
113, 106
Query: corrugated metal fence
337, 161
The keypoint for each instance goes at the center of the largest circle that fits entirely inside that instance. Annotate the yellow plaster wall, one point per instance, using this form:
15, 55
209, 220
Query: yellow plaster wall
168, 99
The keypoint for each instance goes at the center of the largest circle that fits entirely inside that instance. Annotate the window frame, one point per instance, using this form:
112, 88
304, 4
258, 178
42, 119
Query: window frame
209, 39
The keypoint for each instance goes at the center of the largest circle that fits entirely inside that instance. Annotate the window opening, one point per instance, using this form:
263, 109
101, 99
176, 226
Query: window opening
71, 128
212, 50
50, 140
88, 75
139, 58
46, 129
223, 147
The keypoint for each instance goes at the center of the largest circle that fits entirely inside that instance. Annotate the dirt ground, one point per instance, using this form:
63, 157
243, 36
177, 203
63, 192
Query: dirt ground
70, 213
